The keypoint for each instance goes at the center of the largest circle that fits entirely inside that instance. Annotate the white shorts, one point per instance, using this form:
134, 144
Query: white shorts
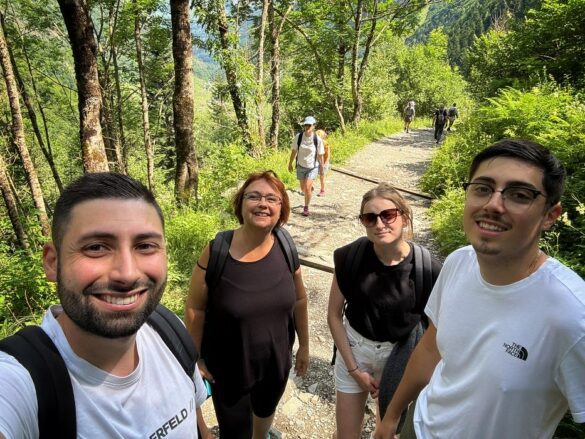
369, 355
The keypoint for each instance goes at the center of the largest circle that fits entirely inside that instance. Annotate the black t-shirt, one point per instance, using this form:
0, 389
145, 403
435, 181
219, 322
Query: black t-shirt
249, 326
381, 302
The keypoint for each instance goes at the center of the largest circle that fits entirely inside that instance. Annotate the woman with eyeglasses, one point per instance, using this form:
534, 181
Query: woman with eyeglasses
374, 313
244, 322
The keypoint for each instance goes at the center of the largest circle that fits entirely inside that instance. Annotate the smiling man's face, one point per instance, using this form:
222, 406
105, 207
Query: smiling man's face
111, 267
492, 229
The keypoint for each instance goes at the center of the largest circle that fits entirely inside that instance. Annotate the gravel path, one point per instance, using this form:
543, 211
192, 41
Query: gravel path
307, 409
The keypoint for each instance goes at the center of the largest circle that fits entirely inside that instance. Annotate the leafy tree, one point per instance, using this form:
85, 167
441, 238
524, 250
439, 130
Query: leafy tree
424, 75
550, 41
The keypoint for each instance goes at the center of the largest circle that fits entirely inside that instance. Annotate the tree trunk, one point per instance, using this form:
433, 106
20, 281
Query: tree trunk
229, 67
123, 148
260, 76
355, 49
274, 31
144, 99
187, 172
110, 132
33, 116
84, 48
11, 207
339, 104
358, 69
18, 137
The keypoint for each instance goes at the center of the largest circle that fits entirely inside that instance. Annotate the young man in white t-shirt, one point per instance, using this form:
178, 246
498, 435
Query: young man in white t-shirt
308, 153
504, 355
108, 257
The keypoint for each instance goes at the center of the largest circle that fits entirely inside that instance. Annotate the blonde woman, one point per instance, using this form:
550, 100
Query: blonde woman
373, 309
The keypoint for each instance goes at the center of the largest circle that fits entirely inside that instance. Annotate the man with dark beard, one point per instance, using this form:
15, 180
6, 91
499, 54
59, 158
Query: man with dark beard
108, 257
504, 354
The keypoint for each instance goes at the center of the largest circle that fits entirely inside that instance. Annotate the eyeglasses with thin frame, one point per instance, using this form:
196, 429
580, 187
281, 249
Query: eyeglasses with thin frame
256, 197
388, 216
514, 198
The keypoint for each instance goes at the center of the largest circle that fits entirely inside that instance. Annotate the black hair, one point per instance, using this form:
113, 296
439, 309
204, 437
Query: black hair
553, 171
94, 186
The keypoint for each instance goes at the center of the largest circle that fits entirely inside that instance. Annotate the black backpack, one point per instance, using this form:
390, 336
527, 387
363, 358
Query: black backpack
423, 270
315, 142
440, 116
220, 247
35, 350
452, 111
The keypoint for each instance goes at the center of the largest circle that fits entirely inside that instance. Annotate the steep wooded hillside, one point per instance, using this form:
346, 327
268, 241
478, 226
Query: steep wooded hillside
463, 20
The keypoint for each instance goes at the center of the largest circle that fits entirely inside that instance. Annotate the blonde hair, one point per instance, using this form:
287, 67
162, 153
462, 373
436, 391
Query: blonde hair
388, 192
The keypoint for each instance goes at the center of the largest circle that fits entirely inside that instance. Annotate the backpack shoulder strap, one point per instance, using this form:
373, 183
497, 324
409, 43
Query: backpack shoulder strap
355, 256
418, 271
218, 252
299, 139
173, 332
35, 350
316, 143
288, 248
423, 270
351, 266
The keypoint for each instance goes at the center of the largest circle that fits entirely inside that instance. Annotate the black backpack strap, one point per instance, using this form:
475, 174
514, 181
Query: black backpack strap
423, 275
288, 248
355, 256
299, 140
351, 265
427, 266
35, 351
174, 333
219, 249
418, 271
316, 143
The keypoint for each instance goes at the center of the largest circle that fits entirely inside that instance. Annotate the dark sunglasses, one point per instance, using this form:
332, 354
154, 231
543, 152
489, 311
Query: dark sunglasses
387, 216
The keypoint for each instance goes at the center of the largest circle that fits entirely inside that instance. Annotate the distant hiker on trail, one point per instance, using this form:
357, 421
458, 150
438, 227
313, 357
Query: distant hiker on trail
326, 161
308, 151
504, 354
452, 114
408, 115
376, 304
246, 301
109, 361
439, 121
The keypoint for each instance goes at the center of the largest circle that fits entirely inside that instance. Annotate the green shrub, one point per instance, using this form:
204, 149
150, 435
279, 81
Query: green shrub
447, 224
24, 291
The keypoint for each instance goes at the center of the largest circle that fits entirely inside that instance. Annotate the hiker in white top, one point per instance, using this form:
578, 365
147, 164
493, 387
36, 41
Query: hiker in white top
308, 150
504, 354
108, 257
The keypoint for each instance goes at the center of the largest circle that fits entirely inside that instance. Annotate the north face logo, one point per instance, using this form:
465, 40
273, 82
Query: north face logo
516, 350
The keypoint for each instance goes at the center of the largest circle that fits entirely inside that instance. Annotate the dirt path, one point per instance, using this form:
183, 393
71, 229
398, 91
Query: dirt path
307, 409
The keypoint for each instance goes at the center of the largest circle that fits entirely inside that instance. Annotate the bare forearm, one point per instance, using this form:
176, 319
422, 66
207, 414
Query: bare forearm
301, 317
340, 339
195, 320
